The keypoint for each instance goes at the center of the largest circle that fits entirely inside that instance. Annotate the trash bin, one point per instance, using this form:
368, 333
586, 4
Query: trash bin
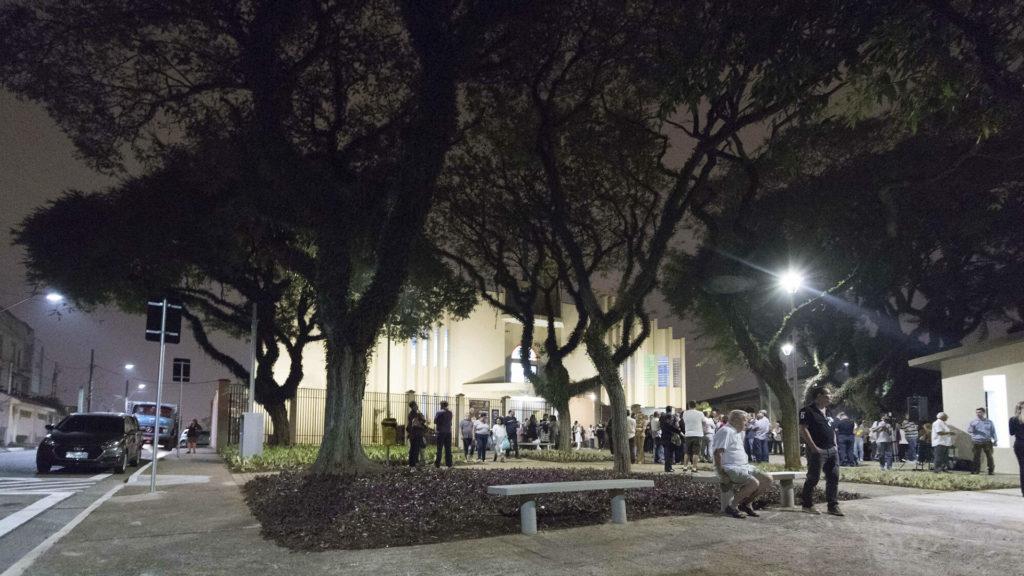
389, 431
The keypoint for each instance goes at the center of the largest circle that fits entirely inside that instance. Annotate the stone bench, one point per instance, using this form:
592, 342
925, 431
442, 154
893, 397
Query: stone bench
527, 494
785, 480
535, 445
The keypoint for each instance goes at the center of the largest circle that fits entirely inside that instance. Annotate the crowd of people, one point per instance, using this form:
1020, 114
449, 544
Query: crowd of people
693, 436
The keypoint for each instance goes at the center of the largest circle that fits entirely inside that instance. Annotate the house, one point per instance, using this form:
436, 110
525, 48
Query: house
988, 374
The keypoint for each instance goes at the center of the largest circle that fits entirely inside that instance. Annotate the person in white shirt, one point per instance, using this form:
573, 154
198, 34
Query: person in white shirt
705, 442
731, 464
499, 435
693, 421
631, 432
942, 439
884, 434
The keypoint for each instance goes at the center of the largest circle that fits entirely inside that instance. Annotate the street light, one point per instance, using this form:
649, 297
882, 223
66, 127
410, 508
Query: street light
52, 297
787, 348
128, 368
791, 282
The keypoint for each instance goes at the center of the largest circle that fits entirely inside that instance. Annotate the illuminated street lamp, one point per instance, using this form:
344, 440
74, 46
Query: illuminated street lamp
791, 282
52, 297
787, 348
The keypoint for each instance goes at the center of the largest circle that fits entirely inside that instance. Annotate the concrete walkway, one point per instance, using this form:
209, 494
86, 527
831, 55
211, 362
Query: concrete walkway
202, 526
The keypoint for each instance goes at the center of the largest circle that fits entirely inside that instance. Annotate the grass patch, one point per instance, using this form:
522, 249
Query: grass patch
398, 506
301, 456
949, 481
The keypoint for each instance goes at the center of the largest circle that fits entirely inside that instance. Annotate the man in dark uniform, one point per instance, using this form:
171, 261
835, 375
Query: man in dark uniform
416, 425
668, 430
818, 432
443, 429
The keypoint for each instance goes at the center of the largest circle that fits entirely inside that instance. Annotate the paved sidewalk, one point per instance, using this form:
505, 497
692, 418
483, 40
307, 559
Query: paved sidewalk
197, 523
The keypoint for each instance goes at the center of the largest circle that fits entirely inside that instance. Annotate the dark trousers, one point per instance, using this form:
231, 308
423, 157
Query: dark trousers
481, 445
846, 451
415, 446
762, 449
1018, 450
632, 450
467, 446
513, 443
985, 447
941, 459
444, 441
669, 452
829, 462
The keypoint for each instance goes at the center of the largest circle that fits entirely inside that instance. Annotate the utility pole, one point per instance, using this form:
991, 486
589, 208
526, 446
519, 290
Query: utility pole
92, 365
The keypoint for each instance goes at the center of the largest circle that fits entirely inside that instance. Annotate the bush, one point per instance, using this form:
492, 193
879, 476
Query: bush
300, 456
570, 456
868, 474
401, 506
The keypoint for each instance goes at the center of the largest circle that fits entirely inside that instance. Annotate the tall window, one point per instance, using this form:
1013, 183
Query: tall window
997, 406
412, 351
437, 346
516, 373
445, 359
425, 351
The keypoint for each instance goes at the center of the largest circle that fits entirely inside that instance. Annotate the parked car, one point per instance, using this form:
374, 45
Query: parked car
100, 439
203, 440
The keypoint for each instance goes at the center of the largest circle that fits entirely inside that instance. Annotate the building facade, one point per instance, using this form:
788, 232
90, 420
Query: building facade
479, 358
989, 374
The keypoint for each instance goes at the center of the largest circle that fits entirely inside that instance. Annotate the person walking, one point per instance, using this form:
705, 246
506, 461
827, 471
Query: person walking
1017, 431
709, 434
942, 439
192, 436
818, 433
416, 426
443, 435
499, 439
631, 434
466, 431
512, 431
577, 434
641, 433
858, 442
659, 448
481, 434
983, 436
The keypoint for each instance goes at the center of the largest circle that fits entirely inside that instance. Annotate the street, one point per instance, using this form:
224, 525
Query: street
34, 506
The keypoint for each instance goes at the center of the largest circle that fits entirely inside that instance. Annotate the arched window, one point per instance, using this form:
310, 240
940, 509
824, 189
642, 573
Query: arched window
516, 367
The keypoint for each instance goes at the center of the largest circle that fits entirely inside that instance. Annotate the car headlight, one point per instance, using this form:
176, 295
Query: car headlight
47, 441
163, 430
112, 446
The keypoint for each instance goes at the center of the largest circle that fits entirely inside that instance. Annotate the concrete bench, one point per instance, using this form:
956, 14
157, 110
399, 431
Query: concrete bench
785, 480
535, 445
527, 494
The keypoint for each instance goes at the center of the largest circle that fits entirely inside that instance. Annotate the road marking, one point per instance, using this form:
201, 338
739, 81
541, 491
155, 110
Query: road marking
31, 511
46, 485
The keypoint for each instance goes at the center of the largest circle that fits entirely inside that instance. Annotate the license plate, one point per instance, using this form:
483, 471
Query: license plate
77, 455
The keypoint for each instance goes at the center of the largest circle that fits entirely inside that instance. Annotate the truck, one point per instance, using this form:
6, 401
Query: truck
145, 413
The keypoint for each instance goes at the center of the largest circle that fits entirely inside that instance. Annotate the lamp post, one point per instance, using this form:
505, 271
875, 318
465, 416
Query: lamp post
791, 282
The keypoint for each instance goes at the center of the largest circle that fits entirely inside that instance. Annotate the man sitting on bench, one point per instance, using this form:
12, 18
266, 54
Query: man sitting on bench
731, 465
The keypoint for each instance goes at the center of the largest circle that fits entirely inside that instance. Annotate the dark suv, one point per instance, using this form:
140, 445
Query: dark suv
101, 439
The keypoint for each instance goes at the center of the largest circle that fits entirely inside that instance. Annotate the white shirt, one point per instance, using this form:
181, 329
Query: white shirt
729, 439
499, 432
941, 439
883, 431
760, 428
694, 422
631, 426
709, 426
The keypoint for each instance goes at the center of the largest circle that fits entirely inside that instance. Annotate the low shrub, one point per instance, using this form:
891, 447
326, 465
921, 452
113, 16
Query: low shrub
300, 456
401, 506
949, 481
568, 457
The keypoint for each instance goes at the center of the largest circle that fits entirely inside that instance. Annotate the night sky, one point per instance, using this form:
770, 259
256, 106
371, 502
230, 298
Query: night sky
37, 163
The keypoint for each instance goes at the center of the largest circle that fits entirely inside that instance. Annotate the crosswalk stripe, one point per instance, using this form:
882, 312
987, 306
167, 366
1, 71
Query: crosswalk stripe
45, 485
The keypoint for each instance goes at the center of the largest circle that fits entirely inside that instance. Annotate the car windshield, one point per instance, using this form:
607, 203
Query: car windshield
99, 424
150, 410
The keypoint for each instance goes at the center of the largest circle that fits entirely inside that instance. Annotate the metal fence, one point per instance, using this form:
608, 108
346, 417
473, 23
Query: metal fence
307, 415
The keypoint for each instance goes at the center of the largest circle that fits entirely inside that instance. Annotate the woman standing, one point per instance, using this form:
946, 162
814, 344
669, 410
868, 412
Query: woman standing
483, 432
499, 436
192, 434
1017, 431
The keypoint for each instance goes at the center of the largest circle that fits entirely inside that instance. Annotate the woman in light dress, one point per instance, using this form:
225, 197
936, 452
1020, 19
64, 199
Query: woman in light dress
499, 436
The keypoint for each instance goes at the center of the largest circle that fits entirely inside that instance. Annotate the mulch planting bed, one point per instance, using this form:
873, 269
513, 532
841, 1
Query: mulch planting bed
400, 507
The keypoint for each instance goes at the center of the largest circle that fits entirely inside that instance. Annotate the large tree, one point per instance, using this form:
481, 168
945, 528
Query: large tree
343, 111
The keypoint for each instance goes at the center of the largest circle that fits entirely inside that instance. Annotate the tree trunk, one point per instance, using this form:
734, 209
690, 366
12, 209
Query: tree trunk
341, 451
608, 372
564, 425
790, 424
282, 428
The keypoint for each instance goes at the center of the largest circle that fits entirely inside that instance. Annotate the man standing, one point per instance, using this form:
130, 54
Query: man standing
416, 425
762, 428
705, 442
466, 429
942, 439
983, 435
631, 432
910, 432
693, 426
443, 430
731, 464
659, 449
669, 430
818, 433
845, 429
512, 428
883, 432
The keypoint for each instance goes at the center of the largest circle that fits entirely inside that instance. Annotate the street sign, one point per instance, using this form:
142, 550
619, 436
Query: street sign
172, 325
181, 370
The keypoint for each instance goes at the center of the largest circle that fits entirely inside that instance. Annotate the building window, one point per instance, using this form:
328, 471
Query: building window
425, 351
516, 373
437, 347
412, 351
445, 347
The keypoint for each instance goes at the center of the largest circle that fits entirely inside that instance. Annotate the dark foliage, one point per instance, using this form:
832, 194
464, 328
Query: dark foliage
424, 506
